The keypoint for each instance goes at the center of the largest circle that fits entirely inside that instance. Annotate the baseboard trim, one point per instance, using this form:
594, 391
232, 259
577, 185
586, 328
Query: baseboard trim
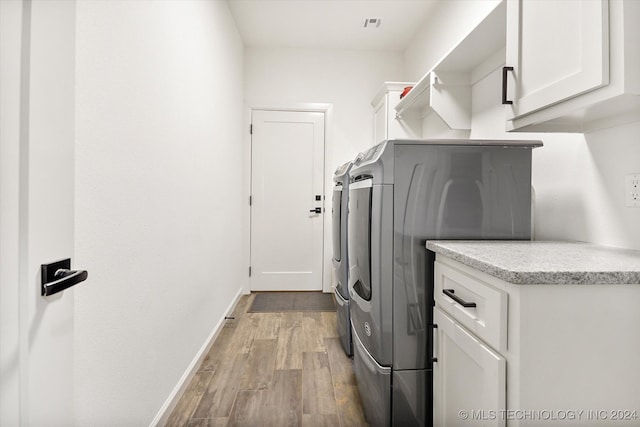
169, 405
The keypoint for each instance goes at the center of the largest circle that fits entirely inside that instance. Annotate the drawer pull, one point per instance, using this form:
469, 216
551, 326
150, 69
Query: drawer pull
450, 294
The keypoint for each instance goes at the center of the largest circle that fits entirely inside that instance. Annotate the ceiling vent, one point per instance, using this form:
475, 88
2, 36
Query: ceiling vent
372, 22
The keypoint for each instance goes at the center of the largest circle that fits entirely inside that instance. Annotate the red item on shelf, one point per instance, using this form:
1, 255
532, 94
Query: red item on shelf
405, 91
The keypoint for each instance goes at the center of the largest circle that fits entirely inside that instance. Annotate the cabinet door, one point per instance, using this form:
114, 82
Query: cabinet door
558, 49
385, 123
469, 379
380, 120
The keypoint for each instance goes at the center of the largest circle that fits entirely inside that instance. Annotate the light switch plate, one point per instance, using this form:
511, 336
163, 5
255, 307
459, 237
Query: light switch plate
632, 190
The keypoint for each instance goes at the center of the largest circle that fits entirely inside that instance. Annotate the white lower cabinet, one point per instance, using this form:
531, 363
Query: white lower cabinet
533, 354
469, 378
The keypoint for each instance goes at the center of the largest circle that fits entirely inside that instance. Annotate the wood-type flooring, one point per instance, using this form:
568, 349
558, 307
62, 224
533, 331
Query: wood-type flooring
273, 369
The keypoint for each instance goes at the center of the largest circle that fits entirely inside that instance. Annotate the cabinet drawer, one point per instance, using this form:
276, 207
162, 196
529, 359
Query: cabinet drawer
487, 319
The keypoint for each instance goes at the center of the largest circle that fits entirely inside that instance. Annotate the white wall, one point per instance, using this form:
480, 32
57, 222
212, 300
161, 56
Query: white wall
450, 22
578, 179
158, 197
344, 78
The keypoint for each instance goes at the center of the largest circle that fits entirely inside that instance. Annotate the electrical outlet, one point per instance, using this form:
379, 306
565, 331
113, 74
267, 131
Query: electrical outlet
632, 190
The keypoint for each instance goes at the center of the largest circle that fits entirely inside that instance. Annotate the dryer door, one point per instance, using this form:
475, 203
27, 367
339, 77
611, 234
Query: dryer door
360, 239
371, 265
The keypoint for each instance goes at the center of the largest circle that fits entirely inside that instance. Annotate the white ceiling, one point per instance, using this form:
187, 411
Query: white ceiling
332, 24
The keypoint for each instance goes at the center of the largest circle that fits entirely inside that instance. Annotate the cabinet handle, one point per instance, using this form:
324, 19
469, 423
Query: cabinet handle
434, 340
505, 70
450, 294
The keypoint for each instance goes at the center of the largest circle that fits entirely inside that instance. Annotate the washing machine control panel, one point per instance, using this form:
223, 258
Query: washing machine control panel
342, 169
371, 154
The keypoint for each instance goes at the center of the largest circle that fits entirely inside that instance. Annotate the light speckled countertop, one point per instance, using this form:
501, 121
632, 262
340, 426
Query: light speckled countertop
542, 262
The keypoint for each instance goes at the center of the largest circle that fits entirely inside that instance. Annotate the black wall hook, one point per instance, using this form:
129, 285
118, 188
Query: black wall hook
58, 276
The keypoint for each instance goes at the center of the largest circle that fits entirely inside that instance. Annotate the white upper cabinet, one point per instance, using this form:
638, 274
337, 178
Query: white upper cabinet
385, 123
560, 50
575, 64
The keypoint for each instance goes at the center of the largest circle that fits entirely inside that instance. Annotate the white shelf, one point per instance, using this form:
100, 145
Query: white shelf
446, 89
482, 50
418, 98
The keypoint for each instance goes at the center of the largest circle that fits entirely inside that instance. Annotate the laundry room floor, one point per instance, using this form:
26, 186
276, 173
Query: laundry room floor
273, 369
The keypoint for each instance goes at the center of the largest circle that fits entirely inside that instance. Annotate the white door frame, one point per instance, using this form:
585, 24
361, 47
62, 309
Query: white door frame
37, 195
325, 108
12, 93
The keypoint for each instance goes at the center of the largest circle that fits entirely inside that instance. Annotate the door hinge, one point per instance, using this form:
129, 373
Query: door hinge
250, 200
251, 129
249, 271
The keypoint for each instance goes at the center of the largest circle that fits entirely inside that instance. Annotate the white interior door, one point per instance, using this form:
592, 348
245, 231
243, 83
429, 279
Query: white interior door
287, 162
37, 199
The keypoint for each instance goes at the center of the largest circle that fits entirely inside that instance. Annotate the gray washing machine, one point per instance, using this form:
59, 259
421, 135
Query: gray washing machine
340, 258
402, 193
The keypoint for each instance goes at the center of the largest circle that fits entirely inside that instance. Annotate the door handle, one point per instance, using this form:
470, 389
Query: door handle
58, 276
316, 210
